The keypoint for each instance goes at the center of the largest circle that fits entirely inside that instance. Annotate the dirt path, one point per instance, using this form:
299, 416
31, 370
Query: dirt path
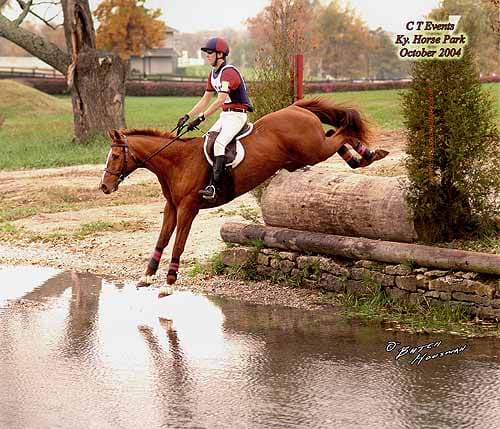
59, 217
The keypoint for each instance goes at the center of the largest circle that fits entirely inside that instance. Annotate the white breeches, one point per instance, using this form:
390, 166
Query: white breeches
228, 124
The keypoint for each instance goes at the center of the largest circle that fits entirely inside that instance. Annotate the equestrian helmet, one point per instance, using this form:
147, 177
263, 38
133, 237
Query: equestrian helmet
217, 44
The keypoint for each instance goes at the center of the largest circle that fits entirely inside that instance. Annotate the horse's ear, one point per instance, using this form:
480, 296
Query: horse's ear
113, 134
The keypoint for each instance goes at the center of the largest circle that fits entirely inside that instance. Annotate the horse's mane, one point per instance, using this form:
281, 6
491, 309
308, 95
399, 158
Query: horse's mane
148, 132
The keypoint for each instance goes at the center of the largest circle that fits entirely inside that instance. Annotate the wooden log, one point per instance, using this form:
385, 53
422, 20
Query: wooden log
361, 248
339, 203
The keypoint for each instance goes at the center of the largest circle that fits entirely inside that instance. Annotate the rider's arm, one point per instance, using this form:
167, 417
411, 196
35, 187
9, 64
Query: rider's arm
202, 104
216, 105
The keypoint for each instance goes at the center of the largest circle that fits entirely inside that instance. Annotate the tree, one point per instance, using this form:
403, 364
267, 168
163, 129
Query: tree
279, 31
128, 27
97, 83
479, 21
345, 42
453, 149
382, 61
242, 46
52, 34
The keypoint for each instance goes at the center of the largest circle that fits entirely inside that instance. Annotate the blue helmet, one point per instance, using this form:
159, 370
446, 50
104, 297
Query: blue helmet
216, 44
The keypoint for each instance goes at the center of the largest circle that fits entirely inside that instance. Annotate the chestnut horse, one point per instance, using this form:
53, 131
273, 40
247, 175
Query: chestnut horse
290, 138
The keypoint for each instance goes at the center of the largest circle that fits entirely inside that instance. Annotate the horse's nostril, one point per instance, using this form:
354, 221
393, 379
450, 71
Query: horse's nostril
104, 189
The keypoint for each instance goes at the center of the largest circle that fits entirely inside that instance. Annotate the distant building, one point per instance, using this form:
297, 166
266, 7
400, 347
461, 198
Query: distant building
157, 60
185, 61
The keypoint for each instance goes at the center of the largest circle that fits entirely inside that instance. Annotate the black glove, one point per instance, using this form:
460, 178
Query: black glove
182, 121
195, 122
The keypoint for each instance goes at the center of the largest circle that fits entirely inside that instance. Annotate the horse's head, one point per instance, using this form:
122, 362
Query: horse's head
119, 164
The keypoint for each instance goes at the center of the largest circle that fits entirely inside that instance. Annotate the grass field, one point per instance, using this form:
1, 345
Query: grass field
37, 128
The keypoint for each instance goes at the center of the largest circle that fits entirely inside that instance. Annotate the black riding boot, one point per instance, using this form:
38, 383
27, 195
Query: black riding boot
210, 191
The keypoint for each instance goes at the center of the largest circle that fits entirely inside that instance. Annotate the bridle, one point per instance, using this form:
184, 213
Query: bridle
123, 173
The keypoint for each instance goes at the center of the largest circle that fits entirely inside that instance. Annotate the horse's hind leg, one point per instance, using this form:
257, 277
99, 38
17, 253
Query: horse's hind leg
346, 155
331, 142
186, 212
367, 155
169, 221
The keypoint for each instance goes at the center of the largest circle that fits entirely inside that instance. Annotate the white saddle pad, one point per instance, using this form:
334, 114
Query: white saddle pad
240, 152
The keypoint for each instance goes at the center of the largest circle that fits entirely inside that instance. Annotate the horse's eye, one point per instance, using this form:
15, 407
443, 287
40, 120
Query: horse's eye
115, 156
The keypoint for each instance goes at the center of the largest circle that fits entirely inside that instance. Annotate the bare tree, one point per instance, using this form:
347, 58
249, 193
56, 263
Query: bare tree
96, 83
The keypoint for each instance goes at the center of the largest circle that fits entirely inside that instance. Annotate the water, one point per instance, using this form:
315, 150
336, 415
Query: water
79, 351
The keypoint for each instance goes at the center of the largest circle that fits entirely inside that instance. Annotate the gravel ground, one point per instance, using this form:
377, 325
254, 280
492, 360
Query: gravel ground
261, 292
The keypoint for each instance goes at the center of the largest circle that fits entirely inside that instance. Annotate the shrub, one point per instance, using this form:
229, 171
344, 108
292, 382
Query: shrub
453, 154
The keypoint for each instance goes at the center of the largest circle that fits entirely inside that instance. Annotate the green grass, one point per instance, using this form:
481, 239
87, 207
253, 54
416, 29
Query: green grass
380, 107
422, 317
93, 227
38, 129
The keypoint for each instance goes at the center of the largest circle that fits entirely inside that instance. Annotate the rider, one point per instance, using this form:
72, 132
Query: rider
232, 96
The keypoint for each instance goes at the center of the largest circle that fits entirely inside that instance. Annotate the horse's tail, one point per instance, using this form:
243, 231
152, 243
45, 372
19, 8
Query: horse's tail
345, 119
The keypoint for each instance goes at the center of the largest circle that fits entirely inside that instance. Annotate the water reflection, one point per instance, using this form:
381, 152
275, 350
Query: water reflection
96, 353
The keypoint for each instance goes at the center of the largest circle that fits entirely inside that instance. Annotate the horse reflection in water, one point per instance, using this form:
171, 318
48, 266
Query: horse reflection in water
170, 365
290, 138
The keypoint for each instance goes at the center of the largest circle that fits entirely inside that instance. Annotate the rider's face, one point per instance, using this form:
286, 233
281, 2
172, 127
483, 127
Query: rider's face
211, 58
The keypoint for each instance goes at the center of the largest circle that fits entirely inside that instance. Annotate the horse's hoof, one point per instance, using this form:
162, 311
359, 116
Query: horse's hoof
380, 154
377, 156
171, 279
145, 281
164, 291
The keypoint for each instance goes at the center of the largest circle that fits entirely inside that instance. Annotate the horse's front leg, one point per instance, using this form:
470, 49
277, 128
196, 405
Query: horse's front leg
168, 226
186, 212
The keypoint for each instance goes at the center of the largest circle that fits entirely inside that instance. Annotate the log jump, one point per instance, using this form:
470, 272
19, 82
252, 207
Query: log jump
353, 205
361, 248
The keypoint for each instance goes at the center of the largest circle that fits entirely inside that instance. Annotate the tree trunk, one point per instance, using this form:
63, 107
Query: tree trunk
97, 84
98, 94
361, 248
343, 204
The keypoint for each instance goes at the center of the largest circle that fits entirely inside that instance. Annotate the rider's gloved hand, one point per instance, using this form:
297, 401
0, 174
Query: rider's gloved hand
195, 122
182, 121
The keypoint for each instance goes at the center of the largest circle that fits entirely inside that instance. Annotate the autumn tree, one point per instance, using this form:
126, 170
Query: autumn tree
279, 31
333, 38
344, 42
479, 20
382, 61
242, 45
128, 28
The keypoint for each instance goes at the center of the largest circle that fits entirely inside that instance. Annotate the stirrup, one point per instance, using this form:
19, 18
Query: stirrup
208, 193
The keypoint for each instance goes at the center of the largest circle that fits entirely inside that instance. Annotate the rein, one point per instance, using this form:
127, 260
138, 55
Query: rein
156, 152
122, 174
